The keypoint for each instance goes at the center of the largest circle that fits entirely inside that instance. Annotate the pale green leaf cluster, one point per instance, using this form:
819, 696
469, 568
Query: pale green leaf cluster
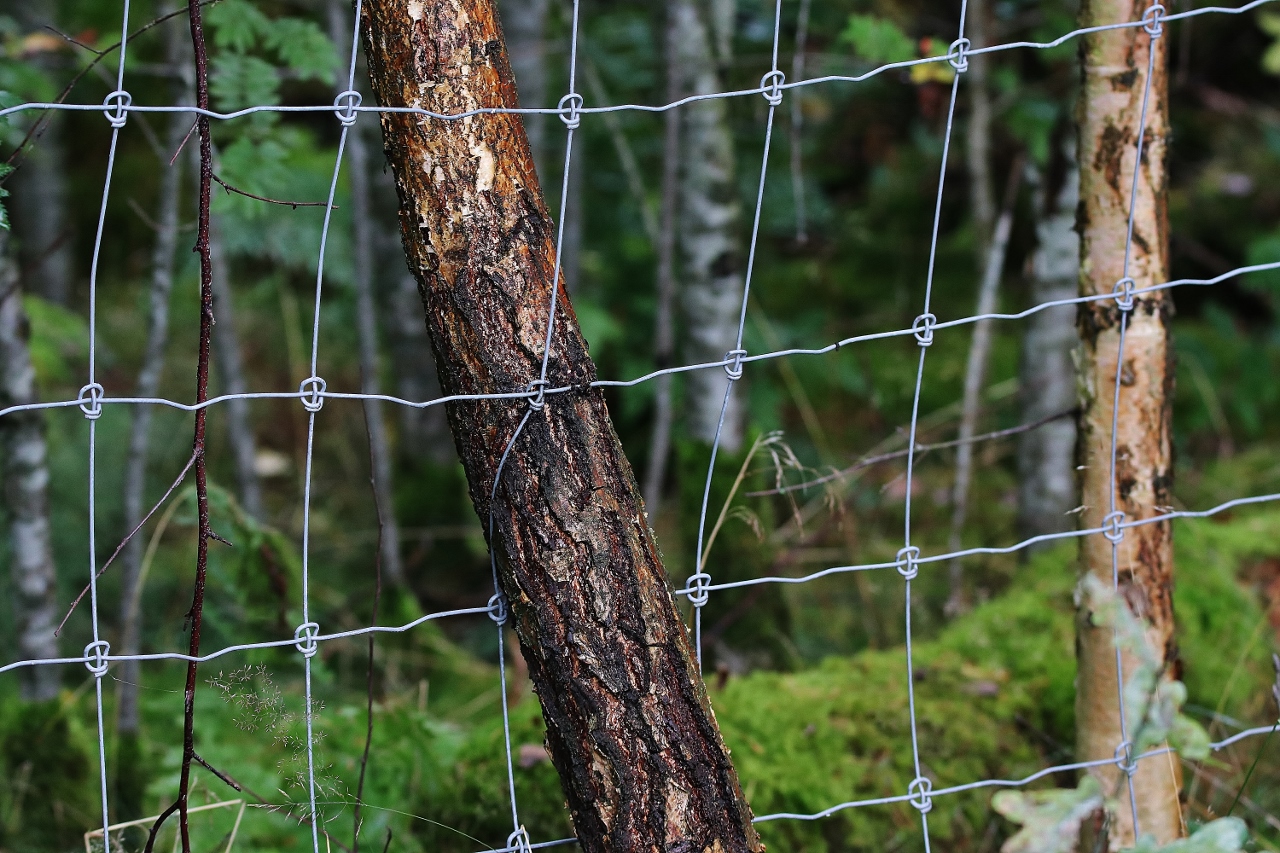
1225, 835
1050, 820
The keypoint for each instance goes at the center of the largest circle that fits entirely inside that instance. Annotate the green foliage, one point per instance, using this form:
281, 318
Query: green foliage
877, 40
59, 341
48, 787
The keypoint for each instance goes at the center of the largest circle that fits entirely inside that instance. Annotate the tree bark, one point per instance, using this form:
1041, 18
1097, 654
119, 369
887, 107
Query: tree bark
712, 279
1046, 456
366, 315
629, 724
135, 466
1114, 75
25, 474
226, 350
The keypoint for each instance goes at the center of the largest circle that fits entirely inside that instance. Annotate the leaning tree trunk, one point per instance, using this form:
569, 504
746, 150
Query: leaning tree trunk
24, 472
1046, 455
711, 282
629, 724
1115, 72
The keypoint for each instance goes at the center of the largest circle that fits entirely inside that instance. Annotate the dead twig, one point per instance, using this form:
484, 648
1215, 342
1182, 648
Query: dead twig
229, 188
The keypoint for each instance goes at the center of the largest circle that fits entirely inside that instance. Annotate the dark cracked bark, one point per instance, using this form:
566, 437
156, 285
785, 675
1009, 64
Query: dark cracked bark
629, 725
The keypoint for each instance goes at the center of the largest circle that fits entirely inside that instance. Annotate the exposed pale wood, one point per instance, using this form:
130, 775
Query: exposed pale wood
1114, 75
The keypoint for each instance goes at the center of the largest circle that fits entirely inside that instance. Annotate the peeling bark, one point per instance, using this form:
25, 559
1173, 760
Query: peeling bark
1114, 71
629, 724
25, 477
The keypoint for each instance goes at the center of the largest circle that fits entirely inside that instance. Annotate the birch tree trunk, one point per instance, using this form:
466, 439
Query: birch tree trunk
366, 314
1046, 456
1114, 76
135, 466
709, 223
39, 202
25, 471
226, 350
629, 724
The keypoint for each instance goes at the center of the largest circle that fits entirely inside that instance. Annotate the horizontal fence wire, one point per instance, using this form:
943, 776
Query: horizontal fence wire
313, 392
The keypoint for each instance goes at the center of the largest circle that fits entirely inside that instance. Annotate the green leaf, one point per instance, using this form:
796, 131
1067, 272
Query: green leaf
238, 81
303, 48
237, 25
878, 40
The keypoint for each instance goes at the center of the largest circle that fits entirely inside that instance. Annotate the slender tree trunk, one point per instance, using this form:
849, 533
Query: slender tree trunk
39, 187
1114, 76
226, 351
982, 194
571, 250
709, 238
366, 315
135, 466
25, 471
1046, 456
664, 324
629, 724
797, 125
975, 377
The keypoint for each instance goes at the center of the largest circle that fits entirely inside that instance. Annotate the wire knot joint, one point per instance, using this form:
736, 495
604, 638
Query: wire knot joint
1113, 527
1152, 20
305, 635
909, 562
90, 399
1124, 758
922, 328
698, 588
312, 391
498, 608
95, 657
958, 55
344, 107
538, 388
1123, 292
771, 87
733, 364
569, 108
920, 790
518, 841
115, 107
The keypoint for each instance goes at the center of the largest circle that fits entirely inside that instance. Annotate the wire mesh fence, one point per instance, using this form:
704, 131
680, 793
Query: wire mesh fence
572, 109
